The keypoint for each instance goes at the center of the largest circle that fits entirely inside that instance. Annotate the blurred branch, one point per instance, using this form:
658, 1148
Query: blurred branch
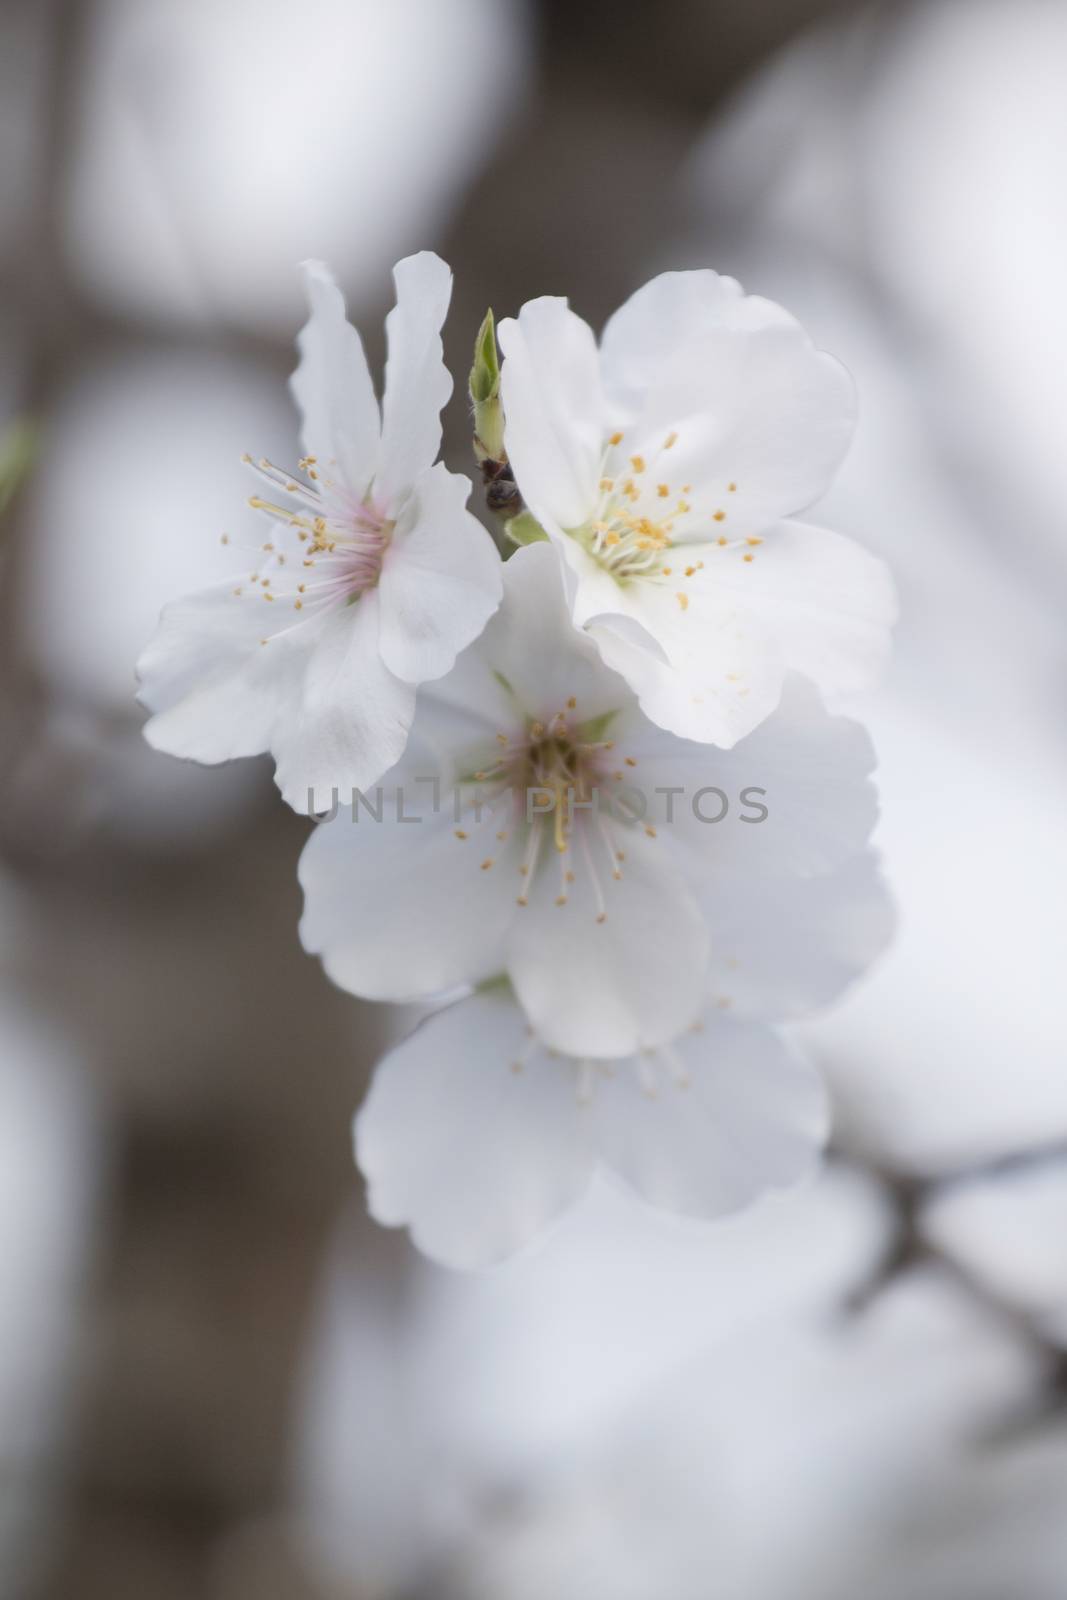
909, 1246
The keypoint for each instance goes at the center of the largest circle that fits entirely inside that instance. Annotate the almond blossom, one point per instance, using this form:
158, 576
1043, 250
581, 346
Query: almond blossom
373, 574
475, 1135
540, 826
667, 467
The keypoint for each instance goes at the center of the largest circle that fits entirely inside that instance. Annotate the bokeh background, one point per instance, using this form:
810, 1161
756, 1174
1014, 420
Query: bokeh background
218, 1379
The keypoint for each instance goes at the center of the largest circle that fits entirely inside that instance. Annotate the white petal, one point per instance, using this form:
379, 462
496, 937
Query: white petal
753, 403
608, 988
216, 690
417, 382
825, 602
353, 717
808, 769
786, 946
668, 312
471, 1155
708, 673
750, 1118
531, 659
332, 386
441, 579
806, 600
398, 909
556, 419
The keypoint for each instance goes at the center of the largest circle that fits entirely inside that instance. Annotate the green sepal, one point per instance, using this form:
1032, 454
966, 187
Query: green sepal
524, 529
484, 386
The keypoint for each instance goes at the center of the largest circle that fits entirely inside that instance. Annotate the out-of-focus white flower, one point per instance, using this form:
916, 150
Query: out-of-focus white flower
663, 467
434, 1423
374, 577
533, 777
852, 226
190, 191
856, 1443
475, 1136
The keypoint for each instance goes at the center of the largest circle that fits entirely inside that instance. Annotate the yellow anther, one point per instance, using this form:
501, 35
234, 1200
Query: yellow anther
748, 558
460, 834
683, 599
630, 762
487, 863
720, 516
731, 488
638, 463
606, 485
663, 490
616, 438
753, 541
670, 441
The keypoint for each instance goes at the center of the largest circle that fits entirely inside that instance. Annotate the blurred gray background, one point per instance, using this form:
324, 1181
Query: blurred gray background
218, 1379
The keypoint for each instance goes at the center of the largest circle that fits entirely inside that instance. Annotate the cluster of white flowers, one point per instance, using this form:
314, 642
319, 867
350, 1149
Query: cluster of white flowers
588, 796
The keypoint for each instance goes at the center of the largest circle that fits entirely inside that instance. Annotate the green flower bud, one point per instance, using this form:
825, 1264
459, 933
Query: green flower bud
485, 394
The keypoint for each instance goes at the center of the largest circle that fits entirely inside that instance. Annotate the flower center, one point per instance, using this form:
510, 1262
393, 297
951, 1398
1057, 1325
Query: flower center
328, 549
641, 517
561, 785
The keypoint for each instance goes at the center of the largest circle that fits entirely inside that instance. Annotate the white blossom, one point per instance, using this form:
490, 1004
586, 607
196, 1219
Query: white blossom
373, 575
666, 467
474, 1135
541, 827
